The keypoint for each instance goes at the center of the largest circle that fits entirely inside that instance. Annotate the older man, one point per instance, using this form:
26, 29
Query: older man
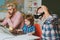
14, 18
49, 31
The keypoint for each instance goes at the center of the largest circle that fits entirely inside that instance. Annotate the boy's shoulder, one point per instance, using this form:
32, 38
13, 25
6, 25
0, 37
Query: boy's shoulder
33, 26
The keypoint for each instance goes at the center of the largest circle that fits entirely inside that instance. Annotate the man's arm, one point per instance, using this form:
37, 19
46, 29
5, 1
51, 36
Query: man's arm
16, 22
4, 22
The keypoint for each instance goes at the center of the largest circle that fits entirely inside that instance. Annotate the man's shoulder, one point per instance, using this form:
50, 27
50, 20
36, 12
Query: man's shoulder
19, 13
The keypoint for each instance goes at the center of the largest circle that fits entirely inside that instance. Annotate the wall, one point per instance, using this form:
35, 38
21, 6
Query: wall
53, 5
30, 6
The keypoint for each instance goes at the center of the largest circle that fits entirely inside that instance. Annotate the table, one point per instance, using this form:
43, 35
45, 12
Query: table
22, 37
6, 35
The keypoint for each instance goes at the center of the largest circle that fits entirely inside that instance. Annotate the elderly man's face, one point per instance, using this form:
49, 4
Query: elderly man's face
40, 11
10, 10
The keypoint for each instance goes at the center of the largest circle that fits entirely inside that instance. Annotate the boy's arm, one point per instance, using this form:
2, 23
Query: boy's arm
31, 33
33, 30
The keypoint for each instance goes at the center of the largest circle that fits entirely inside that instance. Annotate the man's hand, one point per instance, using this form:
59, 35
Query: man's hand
2, 25
8, 15
11, 29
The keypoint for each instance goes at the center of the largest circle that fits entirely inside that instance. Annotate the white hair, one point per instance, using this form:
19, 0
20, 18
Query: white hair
11, 4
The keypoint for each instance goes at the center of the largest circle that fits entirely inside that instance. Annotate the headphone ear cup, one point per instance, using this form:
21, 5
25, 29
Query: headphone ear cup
36, 16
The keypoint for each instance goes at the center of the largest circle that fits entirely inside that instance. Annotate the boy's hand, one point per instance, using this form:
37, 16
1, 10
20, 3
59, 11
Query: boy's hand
19, 30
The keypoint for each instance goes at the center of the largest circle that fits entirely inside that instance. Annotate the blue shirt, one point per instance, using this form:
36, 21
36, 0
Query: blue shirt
27, 29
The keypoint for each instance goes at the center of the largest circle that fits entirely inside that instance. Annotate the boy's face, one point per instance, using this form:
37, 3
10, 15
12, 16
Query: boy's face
27, 22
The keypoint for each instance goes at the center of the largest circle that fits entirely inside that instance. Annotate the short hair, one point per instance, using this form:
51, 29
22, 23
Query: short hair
12, 4
30, 18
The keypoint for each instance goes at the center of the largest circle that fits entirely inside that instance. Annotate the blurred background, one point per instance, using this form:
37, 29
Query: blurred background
30, 6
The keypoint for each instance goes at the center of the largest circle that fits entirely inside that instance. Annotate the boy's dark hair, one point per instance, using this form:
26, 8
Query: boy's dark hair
30, 18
